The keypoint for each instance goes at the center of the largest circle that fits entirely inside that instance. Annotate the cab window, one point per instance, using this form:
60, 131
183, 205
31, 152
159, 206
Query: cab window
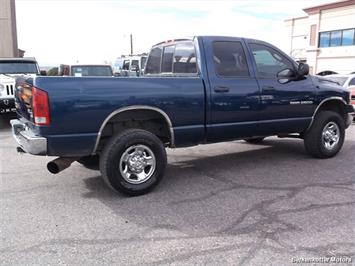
184, 58
167, 61
134, 64
268, 61
229, 59
153, 62
125, 65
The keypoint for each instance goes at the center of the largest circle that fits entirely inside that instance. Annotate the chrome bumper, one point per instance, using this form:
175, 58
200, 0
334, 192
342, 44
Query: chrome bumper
349, 120
27, 140
351, 115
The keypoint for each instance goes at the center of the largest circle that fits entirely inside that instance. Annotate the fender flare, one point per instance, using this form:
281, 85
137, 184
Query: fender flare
320, 105
136, 107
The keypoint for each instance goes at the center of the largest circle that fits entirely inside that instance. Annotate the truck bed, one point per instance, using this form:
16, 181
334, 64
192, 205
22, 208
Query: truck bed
90, 100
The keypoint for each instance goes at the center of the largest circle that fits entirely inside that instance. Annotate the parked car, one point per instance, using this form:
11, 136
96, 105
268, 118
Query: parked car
10, 68
343, 80
352, 96
85, 70
326, 73
194, 91
130, 66
347, 81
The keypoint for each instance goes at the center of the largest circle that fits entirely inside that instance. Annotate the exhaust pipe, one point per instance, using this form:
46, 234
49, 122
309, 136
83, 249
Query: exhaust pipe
59, 164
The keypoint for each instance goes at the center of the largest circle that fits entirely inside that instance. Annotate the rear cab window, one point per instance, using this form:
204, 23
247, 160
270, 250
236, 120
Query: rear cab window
91, 71
177, 59
19, 67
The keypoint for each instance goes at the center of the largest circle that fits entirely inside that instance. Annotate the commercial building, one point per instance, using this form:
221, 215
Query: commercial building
8, 32
325, 38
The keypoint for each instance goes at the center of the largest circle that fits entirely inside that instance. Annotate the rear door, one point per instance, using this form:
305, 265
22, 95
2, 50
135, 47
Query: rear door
235, 98
284, 107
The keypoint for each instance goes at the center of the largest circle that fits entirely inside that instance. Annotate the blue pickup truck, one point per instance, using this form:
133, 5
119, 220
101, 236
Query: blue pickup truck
199, 90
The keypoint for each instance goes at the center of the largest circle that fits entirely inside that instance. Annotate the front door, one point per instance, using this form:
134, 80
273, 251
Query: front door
234, 96
285, 107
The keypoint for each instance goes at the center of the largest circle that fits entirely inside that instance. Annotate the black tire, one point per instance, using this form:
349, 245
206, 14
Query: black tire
254, 140
90, 162
113, 153
314, 141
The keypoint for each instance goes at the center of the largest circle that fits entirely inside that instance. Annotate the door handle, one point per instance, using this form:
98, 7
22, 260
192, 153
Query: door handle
268, 89
221, 89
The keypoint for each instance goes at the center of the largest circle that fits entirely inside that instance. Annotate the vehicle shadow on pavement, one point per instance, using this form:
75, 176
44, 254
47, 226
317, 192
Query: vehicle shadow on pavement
275, 170
275, 195
5, 121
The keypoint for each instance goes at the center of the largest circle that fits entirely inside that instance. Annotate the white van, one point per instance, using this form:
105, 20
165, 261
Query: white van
130, 66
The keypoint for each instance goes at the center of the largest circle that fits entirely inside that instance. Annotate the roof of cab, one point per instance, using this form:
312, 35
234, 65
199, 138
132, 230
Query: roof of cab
205, 36
22, 59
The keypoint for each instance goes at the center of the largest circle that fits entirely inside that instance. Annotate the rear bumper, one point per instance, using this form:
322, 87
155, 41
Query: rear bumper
27, 140
7, 105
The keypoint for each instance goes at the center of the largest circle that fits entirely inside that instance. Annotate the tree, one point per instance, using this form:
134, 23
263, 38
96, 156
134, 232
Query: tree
53, 71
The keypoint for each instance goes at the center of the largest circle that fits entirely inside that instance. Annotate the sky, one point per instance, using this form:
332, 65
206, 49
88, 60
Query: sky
97, 31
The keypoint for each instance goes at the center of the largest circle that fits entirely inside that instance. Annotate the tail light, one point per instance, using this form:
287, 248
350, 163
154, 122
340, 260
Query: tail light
40, 107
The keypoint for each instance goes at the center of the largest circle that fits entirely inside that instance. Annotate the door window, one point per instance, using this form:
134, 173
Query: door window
268, 61
134, 65
125, 65
229, 59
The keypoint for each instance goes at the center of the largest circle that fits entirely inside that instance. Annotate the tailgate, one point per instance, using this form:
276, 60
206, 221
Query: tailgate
23, 98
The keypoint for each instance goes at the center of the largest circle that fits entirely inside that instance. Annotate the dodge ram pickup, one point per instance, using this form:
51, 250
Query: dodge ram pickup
197, 90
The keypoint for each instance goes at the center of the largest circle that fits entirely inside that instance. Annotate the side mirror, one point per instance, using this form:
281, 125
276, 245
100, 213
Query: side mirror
286, 75
303, 70
43, 73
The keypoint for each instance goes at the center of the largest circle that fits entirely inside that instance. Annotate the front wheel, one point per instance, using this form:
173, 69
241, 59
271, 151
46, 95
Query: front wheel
133, 162
326, 136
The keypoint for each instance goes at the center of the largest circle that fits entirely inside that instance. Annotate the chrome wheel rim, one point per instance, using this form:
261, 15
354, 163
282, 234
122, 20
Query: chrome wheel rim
137, 164
330, 135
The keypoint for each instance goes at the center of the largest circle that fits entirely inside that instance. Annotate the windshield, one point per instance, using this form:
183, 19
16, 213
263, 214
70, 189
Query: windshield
16, 67
340, 80
85, 71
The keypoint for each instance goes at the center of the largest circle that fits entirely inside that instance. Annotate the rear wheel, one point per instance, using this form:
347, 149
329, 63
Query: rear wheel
326, 136
254, 140
133, 162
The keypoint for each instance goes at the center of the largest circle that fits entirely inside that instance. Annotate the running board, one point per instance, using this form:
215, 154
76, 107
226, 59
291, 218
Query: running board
294, 136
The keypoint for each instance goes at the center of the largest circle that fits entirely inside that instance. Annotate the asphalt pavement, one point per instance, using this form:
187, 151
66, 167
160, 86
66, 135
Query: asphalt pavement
220, 204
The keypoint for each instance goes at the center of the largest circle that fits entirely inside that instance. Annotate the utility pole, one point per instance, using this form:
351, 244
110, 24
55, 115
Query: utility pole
131, 38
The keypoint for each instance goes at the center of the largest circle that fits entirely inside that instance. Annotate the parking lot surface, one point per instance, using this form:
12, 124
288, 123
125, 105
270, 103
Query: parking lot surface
228, 203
